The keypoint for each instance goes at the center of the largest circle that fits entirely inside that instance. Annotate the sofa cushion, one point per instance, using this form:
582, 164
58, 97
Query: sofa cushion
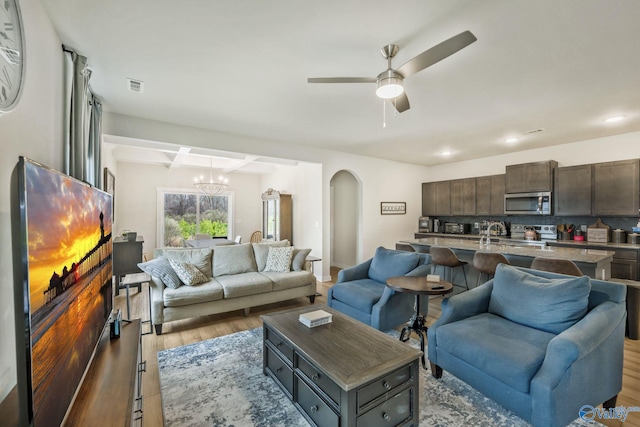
233, 259
159, 267
279, 259
289, 280
188, 295
201, 258
361, 294
261, 251
240, 285
187, 272
389, 263
548, 304
510, 352
299, 257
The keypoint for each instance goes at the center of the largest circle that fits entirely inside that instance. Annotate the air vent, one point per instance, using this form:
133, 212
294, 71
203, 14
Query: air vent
134, 85
529, 132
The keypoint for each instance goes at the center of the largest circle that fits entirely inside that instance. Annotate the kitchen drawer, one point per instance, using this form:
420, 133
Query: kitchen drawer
390, 412
280, 344
320, 379
383, 385
314, 407
280, 370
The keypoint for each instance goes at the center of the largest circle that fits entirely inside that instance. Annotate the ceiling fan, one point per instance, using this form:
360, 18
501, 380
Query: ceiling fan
390, 81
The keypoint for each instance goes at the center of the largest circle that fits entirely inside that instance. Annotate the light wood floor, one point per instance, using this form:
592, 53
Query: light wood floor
189, 331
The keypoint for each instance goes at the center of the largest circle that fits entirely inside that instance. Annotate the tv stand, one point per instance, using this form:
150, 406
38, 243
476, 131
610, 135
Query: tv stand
111, 392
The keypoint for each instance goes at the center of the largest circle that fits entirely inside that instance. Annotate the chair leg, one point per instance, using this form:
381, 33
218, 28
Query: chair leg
611, 403
436, 371
464, 273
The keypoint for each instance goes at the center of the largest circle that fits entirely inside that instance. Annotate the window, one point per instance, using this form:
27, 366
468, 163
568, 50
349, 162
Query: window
184, 213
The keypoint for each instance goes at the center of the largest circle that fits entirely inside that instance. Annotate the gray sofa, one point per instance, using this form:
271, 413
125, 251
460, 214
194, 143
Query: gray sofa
237, 277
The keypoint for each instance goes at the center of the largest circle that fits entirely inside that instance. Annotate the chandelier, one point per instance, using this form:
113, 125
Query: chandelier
212, 187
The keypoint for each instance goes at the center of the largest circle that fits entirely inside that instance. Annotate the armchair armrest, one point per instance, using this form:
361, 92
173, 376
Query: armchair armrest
360, 271
578, 341
157, 301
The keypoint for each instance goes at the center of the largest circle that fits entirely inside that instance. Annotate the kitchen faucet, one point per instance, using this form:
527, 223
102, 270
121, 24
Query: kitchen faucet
488, 235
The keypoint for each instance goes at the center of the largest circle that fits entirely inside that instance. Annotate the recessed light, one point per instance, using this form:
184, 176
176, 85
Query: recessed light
446, 153
511, 140
614, 119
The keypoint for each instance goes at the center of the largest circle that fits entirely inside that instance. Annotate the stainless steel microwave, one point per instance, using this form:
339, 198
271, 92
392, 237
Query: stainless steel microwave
528, 203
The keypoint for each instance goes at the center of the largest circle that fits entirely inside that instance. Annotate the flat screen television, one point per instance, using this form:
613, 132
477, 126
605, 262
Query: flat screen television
62, 255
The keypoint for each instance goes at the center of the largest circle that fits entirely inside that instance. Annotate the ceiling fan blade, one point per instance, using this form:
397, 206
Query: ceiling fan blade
437, 53
401, 103
342, 80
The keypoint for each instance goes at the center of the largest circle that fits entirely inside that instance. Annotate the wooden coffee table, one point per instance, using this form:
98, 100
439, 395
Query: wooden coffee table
419, 286
344, 373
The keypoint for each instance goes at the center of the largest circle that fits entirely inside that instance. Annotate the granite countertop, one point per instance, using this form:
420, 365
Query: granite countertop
576, 243
574, 254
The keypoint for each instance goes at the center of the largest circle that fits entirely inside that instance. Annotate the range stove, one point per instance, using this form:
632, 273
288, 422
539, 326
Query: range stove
544, 232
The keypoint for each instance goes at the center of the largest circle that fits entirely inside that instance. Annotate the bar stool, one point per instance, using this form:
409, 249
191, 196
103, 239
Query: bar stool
441, 255
562, 266
486, 263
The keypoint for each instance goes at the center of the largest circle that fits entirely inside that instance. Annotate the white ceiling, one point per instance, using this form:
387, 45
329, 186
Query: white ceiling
241, 67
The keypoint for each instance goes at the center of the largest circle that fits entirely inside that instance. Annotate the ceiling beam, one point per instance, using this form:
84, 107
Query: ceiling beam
180, 157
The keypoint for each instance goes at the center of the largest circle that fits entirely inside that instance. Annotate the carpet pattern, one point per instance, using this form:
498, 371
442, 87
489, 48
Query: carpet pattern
219, 382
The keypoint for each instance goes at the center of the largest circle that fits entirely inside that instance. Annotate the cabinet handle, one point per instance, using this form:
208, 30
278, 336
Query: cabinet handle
279, 369
386, 416
315, 377
142, 366
279, 344
314, 408
386, 385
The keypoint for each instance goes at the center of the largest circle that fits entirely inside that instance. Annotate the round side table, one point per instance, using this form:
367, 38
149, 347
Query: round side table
418, 285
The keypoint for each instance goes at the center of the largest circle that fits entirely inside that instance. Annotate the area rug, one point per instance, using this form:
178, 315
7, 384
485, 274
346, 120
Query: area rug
219, 382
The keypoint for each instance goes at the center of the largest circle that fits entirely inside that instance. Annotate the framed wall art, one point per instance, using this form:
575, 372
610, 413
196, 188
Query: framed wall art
393, 208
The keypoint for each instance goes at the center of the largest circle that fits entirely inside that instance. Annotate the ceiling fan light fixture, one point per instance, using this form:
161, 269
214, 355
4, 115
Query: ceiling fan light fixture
389, 85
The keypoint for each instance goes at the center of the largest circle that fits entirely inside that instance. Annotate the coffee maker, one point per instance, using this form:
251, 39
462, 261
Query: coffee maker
425, 224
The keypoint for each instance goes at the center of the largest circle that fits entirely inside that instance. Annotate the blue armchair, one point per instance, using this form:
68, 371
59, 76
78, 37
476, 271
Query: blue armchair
541, 344
361, 290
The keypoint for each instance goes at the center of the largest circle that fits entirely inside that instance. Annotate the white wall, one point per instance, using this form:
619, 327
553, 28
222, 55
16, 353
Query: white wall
304, 183
136, 199
345, 202
33, 129
612, 148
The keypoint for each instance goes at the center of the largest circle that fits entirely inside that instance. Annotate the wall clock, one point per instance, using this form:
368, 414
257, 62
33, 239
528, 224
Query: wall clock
12, 55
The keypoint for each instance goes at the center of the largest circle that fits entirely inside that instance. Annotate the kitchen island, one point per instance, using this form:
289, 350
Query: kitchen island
592, 262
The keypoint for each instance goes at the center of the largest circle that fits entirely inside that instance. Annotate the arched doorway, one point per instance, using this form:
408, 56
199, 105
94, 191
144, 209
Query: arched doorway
345, 219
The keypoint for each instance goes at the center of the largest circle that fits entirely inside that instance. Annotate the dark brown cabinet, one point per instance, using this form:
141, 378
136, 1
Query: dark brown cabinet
428, 198
572, 190
616, 188
530, 177
463, 196
436, 200
490, 195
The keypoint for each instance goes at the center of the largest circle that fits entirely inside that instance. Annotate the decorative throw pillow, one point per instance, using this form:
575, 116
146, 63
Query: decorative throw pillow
261, 251
298, 259
544, 303
187, 272
160, 268
279, 259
